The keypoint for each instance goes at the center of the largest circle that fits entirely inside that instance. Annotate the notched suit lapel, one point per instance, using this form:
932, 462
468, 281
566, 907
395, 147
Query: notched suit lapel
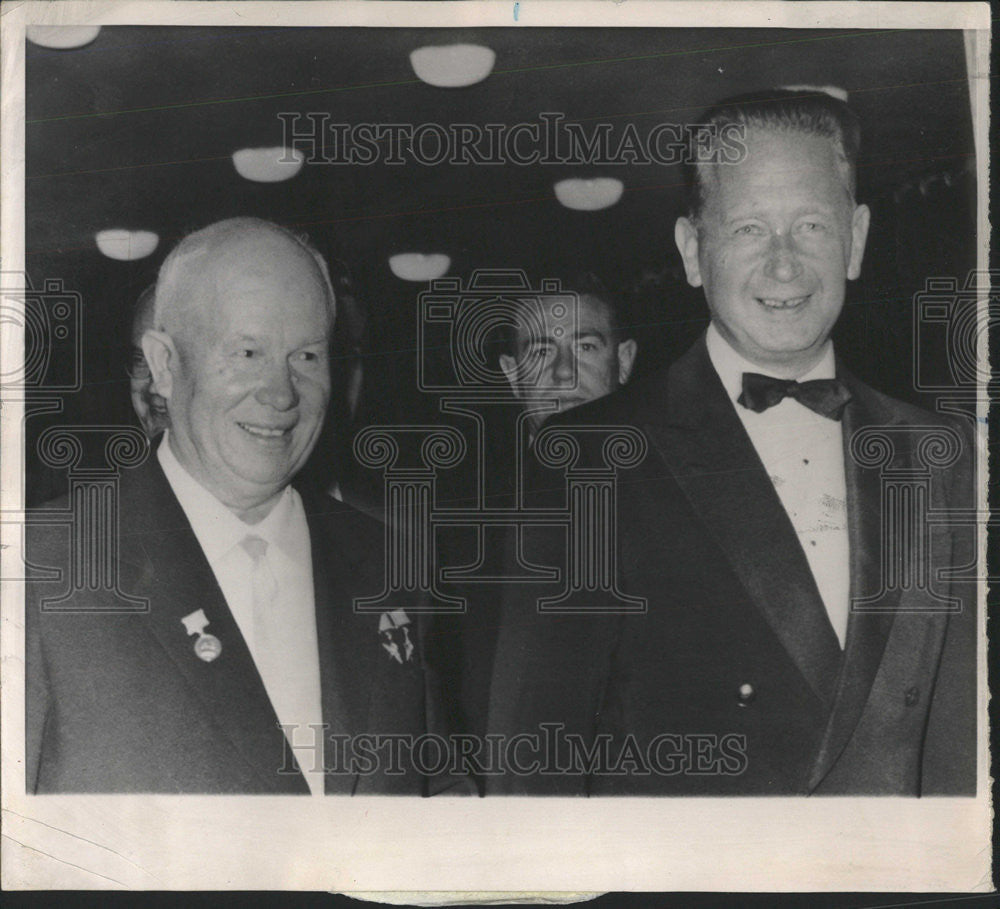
176, 578
705, 446
346, 651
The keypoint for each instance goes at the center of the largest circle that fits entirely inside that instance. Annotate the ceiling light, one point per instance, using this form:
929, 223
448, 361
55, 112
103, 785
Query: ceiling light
832, 90
62, 37
126, 245
452, 65
419, 267
268, 165
589, 195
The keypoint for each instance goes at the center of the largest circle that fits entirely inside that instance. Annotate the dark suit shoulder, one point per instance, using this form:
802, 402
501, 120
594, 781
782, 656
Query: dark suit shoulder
41, 532
626, 406
341, 522
899, 411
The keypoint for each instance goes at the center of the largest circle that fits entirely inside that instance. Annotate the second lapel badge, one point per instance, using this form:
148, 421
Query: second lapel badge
394, 630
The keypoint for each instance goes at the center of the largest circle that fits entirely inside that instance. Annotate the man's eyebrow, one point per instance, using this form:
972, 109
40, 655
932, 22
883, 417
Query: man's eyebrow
591, 333
544, 339
756, 213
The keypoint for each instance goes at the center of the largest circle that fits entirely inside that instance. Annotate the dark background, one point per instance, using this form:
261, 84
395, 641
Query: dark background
136, 130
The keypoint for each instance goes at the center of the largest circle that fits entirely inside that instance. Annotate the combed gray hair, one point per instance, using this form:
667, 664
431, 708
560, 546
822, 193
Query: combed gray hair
813, 113
202, 242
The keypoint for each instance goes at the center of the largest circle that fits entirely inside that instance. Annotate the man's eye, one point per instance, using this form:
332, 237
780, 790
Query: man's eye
588, 346
749, 230
247, 353
308, 356
808, 227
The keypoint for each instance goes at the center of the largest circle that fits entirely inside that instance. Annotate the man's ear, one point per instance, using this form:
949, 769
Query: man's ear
509, 366
626, 359
161, 354
859, 236
686, 238
140, 406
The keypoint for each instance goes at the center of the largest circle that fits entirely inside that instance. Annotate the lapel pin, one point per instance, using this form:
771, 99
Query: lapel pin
207, 647
394, 631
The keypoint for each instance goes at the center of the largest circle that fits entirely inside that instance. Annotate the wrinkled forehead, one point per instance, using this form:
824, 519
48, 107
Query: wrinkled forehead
778, 156
253, 270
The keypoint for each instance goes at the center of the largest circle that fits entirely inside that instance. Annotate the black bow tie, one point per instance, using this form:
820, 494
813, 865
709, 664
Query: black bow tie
827, 397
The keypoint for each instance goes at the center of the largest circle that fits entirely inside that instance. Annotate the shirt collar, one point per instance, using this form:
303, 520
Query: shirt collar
217, 528
731, 365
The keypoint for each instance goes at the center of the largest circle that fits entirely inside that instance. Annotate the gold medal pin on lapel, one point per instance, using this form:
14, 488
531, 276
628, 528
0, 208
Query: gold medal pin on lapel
207, 647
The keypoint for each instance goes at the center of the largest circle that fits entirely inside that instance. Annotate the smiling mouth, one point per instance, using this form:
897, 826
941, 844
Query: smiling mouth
775, 304
264, 432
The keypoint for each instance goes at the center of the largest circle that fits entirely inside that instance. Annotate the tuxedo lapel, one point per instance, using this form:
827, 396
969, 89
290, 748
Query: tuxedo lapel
171, 570
867, 632
705, 446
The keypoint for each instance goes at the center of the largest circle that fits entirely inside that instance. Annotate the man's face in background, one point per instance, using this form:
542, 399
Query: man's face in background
571, 354
150, 408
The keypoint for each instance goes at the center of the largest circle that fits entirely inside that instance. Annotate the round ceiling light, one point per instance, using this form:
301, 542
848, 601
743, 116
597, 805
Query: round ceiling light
419, 266
126, 245
268, 165
452, 65
62, 37
589, 194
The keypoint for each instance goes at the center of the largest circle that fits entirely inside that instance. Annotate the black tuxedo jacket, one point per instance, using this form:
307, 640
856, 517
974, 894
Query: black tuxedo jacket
734, 676
119, 702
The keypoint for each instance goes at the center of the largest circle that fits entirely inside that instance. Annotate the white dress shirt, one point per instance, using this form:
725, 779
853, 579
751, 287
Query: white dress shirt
803, 454
291, 677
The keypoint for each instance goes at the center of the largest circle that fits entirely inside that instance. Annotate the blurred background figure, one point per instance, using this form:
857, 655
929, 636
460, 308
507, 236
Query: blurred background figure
350, 334
150, 408
578, 351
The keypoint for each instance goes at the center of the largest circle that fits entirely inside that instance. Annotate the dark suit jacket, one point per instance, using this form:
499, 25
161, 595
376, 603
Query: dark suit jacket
121, 703
735, 654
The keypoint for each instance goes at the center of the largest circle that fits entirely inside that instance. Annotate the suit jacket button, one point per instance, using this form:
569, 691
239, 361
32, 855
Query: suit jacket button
912, 696
746, 694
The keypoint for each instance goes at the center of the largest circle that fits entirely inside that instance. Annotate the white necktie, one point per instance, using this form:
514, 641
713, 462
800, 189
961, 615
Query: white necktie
291, 684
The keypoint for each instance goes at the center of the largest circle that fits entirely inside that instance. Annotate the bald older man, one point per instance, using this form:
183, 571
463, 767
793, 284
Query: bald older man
250, 671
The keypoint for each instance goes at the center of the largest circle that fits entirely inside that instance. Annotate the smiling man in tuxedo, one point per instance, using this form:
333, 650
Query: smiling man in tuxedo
250, 650
753, 533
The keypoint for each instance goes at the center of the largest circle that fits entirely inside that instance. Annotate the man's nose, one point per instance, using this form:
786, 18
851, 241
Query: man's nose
277, 389
782, 258
563, 367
